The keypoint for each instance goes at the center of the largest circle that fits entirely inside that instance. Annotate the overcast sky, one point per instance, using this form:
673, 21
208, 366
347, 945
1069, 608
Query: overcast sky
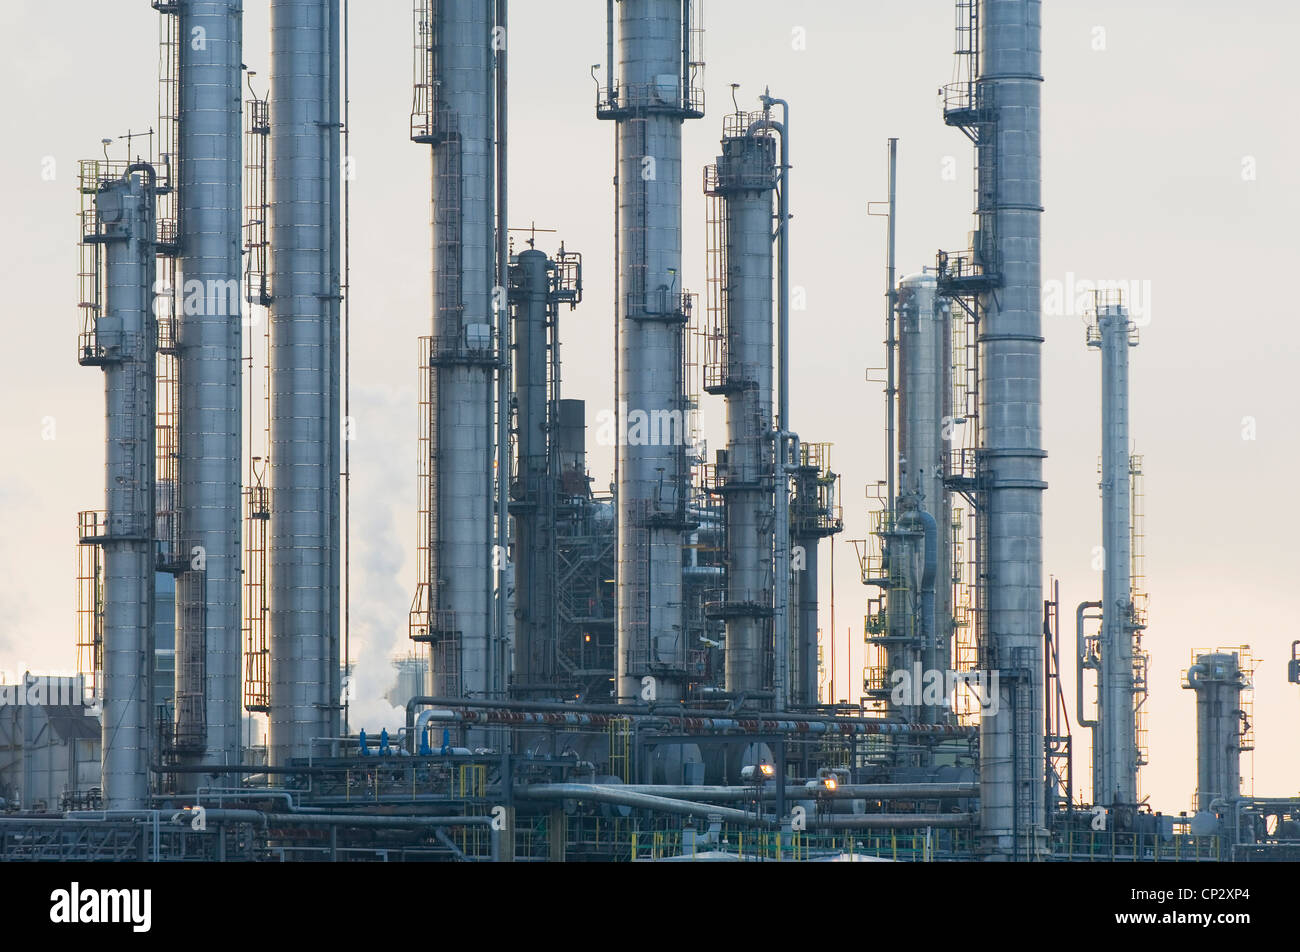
1170, 157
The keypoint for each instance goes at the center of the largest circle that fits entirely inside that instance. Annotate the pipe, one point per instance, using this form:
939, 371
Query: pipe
618, 795
499, 46
814, 790
1080, 614
892, 821
783, 452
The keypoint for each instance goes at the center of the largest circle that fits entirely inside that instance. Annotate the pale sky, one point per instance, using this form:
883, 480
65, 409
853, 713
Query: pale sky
1169, 157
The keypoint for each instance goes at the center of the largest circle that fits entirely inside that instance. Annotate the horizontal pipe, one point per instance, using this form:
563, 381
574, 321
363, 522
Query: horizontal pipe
864, 791
892, 821
618, 795
334, 819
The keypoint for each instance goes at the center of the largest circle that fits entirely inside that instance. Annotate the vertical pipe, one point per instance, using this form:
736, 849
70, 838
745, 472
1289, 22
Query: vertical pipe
1010, 351
209, 615
126, 333
304, 375
891, 342
786, 448
499, 45
651, 104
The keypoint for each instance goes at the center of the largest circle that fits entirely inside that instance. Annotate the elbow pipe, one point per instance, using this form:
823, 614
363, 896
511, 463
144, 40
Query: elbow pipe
1079, 614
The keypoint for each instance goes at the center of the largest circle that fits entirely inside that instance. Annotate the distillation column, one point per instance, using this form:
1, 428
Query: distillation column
745, 181
126, 337
924, 417
1218, 681
650, 99
1114, 744
1009, 184
304, 372
455, 84
532, 502
208, 608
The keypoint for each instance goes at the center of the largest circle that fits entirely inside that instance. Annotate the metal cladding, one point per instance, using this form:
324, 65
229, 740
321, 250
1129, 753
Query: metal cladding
208, 614
924, 415
458, 123
304, 376
650, 99
1218, 682
1010, 353
126, 336
1114, 746
531, 501
746, 180
921, 613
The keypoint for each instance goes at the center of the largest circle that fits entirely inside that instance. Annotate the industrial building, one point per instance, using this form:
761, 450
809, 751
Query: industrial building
626, 675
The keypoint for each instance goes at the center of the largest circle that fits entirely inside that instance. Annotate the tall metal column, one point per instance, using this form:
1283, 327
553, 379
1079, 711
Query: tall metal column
533, 492
304, 371
745, 179
1218, 680
125, 336
1009, 190
924, 416
1114, 738
454, 115
208, 609
649, 100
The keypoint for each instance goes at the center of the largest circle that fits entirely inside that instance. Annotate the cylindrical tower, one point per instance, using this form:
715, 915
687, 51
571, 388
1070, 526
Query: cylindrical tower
924, 417
304, 375
455, 77
650, 99
533, 517
1114, 747
1008, 90
745, 179
126, 339
208, 598
1218, 681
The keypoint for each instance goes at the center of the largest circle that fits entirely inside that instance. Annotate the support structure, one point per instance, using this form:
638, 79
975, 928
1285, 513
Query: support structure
305, 463
654, 92
120, 336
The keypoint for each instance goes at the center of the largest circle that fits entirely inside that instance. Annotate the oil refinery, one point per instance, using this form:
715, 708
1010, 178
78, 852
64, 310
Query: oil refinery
601, 666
